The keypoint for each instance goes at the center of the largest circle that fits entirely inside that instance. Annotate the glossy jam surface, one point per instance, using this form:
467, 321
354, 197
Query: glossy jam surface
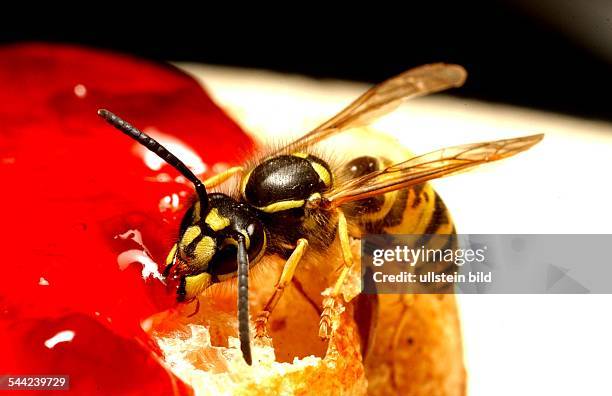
86, 212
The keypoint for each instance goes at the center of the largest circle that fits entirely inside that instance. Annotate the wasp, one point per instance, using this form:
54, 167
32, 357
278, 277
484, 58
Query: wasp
291, 201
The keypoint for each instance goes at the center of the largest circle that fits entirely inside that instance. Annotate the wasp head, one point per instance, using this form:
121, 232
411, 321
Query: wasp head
206, 250
218, 237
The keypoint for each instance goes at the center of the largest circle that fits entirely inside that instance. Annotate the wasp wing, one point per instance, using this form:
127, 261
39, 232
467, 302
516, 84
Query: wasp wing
444, 162
384, 98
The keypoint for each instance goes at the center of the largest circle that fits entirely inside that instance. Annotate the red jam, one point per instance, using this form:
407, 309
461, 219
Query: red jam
83, 206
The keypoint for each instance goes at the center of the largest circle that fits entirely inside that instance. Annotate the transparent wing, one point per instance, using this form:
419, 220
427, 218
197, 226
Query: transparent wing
384, 98
440, 163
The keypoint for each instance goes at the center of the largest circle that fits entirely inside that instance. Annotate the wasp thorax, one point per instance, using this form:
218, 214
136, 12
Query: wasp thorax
285, 182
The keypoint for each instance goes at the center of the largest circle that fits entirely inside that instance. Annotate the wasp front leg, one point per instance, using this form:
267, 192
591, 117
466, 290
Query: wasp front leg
330, 299
223, 176
286, 276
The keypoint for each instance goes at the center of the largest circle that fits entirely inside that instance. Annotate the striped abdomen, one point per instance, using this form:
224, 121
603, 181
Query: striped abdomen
415, 210
396, 329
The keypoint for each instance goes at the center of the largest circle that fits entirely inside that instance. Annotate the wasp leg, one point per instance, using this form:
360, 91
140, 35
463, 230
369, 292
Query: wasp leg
197, 300
223, 176
285, 278
329, 300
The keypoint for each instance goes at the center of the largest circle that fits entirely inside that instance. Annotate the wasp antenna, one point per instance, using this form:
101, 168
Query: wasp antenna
155, 147
243, 300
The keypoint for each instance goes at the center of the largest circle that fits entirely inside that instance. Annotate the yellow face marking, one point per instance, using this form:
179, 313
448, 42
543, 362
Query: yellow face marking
170, 257
232, 241
190, 234
216, 221
196, 284
323, 173
204, 251
301, 155
283, 205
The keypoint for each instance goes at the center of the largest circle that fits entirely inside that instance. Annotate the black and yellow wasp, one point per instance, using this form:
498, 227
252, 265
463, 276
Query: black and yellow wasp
291, 201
